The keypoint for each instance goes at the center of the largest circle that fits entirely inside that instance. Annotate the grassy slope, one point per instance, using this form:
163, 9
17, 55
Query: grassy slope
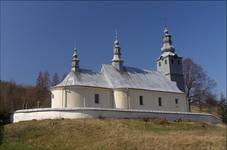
105, 134
214, 110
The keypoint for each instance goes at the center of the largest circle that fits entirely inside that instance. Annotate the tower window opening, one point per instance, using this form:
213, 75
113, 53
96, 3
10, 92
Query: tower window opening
178, 62
159, 63
172, 61
176, 101
165, 61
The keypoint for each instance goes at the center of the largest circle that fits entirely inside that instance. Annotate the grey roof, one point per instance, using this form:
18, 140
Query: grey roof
85, 78
136, 78
129, 77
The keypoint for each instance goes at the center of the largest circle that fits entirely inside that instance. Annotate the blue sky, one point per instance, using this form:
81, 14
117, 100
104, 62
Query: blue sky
39, 36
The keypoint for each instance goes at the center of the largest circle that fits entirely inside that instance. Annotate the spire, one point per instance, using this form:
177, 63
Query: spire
166, 30
75, 61
117, 62
116, 42
167, 42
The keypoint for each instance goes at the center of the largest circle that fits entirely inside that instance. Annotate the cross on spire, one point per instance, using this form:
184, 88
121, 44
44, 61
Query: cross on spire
165, 26
116, 42
116, 34
74, 44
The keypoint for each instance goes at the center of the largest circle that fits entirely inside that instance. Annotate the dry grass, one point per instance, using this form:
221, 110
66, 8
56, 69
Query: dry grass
213, 110
105, 134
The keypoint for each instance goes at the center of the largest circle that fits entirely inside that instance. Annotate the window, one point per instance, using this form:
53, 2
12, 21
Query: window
165, 61
96, 98
141, 100
176, 101
159, 63
160, 101
172, 61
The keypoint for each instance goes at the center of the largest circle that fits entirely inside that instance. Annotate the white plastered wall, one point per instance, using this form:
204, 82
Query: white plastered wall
150, 100
72, 97
164, 68
57, 99
118, 98
105, 97
121, 98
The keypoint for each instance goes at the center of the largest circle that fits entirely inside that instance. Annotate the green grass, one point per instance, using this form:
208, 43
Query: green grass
114, 134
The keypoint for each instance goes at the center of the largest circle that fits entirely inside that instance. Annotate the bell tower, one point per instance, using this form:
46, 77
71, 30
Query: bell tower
169, 63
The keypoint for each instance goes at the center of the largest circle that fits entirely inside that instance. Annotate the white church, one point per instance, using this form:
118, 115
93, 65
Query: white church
119, 91
118, 86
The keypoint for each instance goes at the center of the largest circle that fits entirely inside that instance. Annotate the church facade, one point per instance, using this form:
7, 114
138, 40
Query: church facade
121, 87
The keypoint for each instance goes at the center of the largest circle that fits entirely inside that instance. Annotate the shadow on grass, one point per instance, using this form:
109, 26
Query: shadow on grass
4, 119
1, 133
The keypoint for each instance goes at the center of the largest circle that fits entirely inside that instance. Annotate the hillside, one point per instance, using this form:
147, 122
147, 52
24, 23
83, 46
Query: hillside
103, 134
213, 110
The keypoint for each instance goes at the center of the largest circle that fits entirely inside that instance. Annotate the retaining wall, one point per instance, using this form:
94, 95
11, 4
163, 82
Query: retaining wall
72, 113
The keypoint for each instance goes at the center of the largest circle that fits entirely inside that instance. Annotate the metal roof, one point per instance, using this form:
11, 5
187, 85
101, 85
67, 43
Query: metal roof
85, 78
129, 77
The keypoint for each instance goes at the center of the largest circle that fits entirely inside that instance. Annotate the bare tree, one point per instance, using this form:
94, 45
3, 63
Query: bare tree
42, 90
55, 79
39, 94
203, 92
64, 75
198, 84
39, 80
193, 75
222, 105
46, 80
14, 96
211, 101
